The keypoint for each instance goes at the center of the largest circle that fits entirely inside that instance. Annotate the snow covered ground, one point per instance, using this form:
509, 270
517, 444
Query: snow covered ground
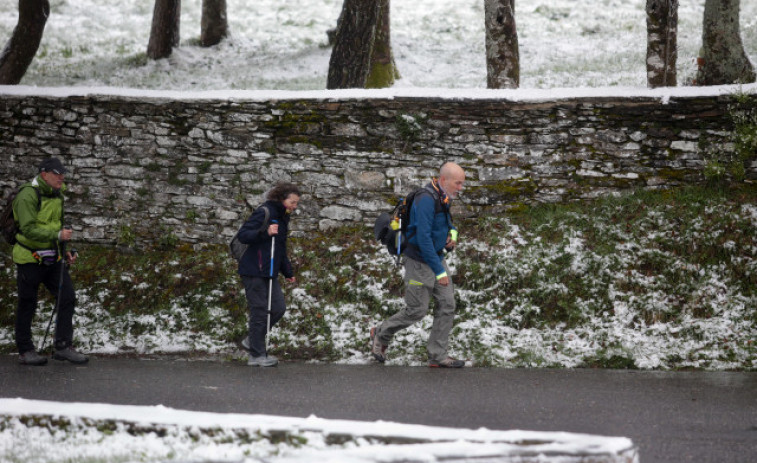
283, 45
84, 433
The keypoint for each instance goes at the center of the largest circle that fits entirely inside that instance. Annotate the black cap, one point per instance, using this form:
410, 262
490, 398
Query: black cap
52, 165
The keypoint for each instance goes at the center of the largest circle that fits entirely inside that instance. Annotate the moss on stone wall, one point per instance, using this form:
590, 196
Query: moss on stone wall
504, 190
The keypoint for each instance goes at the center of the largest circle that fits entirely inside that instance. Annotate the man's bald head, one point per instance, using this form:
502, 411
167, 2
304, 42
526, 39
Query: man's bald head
451, 179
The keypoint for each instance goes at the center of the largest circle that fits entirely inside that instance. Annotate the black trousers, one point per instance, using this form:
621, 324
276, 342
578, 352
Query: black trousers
256, 291
29, 277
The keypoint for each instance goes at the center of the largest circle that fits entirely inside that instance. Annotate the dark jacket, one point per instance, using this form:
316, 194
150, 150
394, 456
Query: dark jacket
430, 224
256, 261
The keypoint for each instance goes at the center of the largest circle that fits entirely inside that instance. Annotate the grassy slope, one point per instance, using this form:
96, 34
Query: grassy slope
649, 280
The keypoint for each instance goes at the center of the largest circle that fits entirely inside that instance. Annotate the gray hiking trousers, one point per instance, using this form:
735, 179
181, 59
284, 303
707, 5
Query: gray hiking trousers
420, 285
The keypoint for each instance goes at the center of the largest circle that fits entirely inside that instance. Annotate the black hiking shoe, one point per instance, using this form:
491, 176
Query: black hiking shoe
31, 357
377, 349
68, 353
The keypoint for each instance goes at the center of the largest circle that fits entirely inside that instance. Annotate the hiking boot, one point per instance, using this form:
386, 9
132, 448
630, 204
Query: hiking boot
377, 349
244, 344
449, 362
262, 361
68, 353
31, 357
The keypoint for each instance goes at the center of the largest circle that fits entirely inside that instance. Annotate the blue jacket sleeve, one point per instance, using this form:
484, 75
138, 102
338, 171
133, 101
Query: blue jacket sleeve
423, 208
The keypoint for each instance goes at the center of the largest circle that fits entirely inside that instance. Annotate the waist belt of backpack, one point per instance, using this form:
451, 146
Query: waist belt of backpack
32, 250
25, 246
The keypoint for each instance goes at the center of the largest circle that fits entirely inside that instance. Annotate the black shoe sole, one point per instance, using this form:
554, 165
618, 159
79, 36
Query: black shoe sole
59, 358
436, 365
34, 364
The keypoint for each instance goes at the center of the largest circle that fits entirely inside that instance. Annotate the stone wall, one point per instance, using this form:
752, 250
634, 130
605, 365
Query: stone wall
148, 168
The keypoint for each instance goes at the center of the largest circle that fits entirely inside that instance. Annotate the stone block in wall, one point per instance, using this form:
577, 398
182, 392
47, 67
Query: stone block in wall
508, 139
317, 180
589, 173
364, 180
65, 115
480, 149
227, 216
201, 201
362, 205
125, 172
340, 213
99, 221
493, 174
612, 136
299, 148
348, 130
328, 224
549, 138
683, 145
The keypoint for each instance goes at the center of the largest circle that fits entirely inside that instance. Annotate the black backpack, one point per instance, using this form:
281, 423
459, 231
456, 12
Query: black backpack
8, 226
390, 228
236, 247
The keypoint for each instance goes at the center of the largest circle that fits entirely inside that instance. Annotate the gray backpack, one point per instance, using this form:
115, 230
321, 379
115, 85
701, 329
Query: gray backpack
236, 247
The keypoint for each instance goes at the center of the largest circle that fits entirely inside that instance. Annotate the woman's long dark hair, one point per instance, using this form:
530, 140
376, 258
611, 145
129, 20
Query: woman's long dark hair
281, 191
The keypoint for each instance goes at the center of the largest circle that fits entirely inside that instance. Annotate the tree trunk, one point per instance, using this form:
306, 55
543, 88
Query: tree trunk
662, 43
350, 61
164, 34
23, 44
724, 60
214, 26
331, 33
383, 69
502, 54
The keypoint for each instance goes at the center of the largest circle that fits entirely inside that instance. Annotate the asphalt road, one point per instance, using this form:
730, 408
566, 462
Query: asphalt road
670, 416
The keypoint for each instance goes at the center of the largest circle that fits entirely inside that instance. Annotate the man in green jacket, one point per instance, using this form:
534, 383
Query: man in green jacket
38, 210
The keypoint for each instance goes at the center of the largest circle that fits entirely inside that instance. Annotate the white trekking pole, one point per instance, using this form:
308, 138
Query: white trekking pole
270, 292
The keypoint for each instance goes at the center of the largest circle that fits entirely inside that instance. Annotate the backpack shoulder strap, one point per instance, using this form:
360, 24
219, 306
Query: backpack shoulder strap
39, 198
36, 191
438, 206
434, 194
265, 219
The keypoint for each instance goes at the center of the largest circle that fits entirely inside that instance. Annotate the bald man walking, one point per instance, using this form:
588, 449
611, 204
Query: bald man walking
430, 233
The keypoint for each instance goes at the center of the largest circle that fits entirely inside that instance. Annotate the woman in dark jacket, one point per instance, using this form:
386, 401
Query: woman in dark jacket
269, 223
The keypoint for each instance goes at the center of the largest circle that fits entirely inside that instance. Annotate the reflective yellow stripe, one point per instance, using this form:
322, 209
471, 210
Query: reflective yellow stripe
414, 283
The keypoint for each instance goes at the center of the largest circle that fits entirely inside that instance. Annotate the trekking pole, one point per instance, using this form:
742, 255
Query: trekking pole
399, 242
270, 291
62, 245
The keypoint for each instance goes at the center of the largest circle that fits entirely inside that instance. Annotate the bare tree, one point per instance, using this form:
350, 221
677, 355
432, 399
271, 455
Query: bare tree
724, 60
350, 61
214, 26
23, 44
164, 34
502, 53
662, 42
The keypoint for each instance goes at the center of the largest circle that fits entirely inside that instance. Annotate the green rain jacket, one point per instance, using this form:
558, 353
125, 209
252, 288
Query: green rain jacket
39, 220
